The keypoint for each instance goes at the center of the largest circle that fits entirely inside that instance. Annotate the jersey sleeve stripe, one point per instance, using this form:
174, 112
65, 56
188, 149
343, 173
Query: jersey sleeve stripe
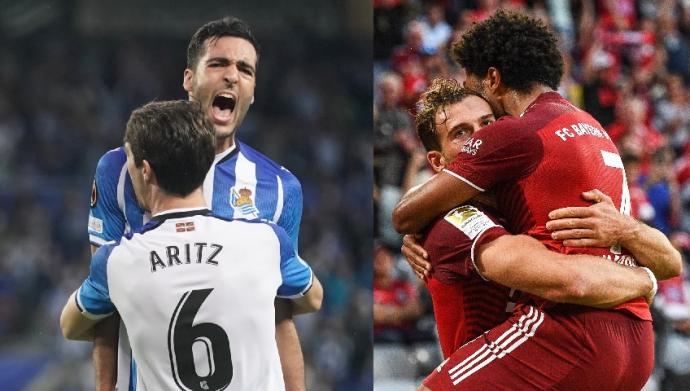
96, 241
121, 194
304, 291
474, 242
279, 205
86, 313
463, 179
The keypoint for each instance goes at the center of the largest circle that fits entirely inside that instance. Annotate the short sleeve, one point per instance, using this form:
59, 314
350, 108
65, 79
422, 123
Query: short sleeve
451, 239
503, 151
297, 276
93, 296
291, 217
106, 219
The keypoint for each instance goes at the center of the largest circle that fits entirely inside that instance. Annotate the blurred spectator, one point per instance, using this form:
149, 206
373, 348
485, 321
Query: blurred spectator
632, 132
393, 139
673, 113
662, 191
435, 30
396, 301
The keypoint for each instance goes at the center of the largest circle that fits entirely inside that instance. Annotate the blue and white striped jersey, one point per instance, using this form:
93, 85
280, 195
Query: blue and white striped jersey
242, 183
196, 294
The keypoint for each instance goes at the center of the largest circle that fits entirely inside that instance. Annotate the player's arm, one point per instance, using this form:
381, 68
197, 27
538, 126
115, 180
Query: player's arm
74, 325
289, 349
602, 225
441, 193
523, 263
106, 223
311, 300
91, 303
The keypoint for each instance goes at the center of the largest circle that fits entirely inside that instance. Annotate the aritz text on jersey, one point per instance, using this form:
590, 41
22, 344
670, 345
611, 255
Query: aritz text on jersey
190, 253
580, 129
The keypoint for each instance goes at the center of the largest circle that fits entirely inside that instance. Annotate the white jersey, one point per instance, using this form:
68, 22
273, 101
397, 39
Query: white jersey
196, 293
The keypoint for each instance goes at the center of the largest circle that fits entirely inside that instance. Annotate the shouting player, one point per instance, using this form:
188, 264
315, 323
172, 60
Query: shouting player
195, 291
542, 156
222, 60
466, 304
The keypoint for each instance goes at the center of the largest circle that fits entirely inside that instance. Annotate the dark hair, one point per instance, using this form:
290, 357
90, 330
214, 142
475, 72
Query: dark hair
523, 50
441, 93
229, 26
177, 139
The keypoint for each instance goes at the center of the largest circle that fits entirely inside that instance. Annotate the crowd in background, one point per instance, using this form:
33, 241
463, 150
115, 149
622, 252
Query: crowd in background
65, 97
627, 62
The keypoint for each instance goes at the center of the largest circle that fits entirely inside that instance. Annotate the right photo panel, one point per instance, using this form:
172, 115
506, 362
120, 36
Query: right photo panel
531, 195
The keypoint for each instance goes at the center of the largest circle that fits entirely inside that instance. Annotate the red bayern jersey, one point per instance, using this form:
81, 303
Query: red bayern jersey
465, 305
543, 160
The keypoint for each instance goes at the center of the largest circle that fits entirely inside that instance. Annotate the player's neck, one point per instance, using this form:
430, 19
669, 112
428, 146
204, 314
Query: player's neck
515, 103
162, 201
223, 144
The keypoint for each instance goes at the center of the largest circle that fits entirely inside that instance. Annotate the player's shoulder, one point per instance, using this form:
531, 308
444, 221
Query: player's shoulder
112, 160
243, 224
265, 163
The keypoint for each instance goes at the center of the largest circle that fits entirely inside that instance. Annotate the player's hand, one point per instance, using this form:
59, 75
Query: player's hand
599, 225
416, 256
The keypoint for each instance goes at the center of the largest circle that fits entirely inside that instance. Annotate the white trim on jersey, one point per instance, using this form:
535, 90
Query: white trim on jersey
474, 242
86, 313
305, 290
97, 240
121, 196
248, 168
515, 336
207, 188
447, 171
279, 206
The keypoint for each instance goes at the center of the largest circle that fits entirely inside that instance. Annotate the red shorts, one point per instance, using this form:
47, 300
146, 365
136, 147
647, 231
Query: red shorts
576, 348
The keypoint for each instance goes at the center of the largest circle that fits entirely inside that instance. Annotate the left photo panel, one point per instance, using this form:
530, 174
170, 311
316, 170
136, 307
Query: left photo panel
186, 198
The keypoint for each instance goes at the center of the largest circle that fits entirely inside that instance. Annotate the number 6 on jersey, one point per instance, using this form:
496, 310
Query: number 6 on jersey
199, 354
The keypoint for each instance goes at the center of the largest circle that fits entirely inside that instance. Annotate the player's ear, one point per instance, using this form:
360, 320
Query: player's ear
146, 171
492, 79
436, 160
187, 77
252, 102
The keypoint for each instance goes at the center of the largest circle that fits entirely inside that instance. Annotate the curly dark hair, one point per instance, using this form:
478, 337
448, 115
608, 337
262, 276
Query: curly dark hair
522, 48
441, 93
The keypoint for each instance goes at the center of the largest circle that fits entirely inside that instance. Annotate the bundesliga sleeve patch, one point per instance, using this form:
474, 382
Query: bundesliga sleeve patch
470, 220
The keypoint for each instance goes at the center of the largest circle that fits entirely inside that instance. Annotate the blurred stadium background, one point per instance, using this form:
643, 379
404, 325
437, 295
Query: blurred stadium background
70, 73
627, 63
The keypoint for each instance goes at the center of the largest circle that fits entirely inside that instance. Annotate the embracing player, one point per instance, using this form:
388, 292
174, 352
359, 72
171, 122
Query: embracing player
466, 302
542, 156
222, 60
195, 291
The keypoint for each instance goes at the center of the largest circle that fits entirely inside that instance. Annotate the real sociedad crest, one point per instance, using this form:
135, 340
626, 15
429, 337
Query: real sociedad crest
242, 200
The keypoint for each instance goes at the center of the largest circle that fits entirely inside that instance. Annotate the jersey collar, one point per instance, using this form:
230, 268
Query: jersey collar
228, 153
179, 213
